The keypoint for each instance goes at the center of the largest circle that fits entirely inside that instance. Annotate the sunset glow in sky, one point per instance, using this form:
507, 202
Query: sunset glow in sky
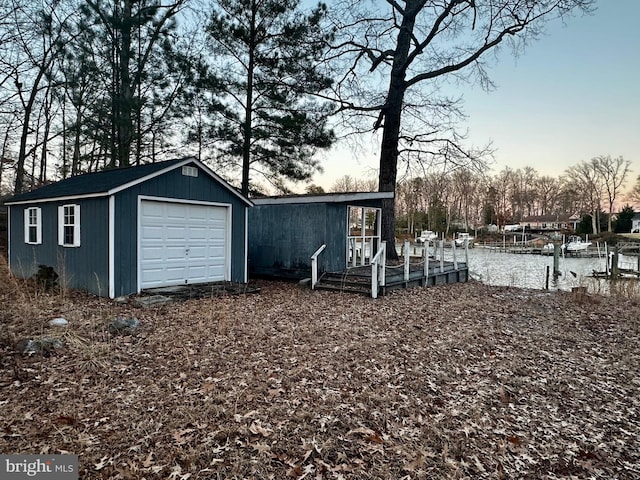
573, 95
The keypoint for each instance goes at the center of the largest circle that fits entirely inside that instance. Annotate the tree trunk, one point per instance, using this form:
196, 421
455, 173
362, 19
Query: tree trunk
19, 180
75, 161
391, 115
125, 122
3, 152
248, 118
389, 171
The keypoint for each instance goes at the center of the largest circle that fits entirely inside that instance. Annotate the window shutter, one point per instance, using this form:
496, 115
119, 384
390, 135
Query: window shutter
26, 225
39, 226
76, 226
61, 225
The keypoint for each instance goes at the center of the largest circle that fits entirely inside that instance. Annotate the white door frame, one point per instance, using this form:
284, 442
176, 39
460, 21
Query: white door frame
227, 238
362, 237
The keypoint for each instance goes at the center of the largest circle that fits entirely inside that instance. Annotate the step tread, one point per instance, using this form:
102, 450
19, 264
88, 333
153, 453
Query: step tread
343, 288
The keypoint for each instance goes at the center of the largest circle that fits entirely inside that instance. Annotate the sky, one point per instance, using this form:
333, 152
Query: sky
573, 95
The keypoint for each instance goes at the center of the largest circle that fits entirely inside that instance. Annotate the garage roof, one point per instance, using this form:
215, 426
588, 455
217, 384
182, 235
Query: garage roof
108, 182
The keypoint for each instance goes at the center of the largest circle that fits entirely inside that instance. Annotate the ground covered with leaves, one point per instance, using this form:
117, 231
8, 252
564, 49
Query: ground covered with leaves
461, 381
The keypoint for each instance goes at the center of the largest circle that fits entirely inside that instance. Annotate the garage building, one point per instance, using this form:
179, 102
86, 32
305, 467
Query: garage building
121, 231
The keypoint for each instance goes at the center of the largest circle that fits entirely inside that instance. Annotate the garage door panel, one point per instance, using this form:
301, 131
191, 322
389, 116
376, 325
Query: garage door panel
176, 233
201, 274
198, 253
150, 254
164, 273
154, 210
182, 243
152, 232
215, 251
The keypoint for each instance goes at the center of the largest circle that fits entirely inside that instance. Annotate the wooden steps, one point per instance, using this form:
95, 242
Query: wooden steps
343, 282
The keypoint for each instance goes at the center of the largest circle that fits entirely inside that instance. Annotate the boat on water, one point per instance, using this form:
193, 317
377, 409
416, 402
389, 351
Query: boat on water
464, 239
548, 248
427, 236
576, 244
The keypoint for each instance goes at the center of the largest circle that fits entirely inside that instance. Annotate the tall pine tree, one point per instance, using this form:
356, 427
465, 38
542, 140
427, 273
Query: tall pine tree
267, 52
135, 40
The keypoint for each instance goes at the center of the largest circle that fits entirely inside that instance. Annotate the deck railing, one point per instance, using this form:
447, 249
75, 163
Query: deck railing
314, 265
378, 269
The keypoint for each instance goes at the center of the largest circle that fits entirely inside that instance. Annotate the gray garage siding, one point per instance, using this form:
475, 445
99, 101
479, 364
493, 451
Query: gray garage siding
83, 267
171, 185
283, 238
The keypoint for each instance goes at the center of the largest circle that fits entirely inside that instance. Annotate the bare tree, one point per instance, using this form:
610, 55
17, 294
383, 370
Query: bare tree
502, 184
587, 181
547, 192
411, 47
38, 40
411, 200
614, 173
634, 195
347, 183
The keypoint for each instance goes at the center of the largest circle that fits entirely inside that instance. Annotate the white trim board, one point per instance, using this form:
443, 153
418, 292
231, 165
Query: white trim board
329, 198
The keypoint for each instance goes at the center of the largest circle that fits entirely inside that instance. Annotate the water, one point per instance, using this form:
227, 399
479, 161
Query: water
529, 271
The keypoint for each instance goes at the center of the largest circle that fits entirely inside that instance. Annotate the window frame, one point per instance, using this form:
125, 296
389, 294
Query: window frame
64, 226
28, 226
189, 171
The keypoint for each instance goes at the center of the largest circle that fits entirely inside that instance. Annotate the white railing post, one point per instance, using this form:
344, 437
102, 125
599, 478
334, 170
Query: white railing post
354, 253
407, 258
425, 257
378, 276
441, 256
466, 254
374, 280
314, 266
453, 252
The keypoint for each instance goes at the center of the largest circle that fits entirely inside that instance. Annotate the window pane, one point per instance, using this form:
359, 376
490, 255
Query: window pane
33, 234
68, 235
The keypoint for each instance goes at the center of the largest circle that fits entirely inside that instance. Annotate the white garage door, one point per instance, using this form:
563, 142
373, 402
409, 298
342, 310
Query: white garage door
182, 244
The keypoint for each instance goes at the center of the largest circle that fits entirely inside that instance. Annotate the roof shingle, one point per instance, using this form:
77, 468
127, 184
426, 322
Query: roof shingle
94, 183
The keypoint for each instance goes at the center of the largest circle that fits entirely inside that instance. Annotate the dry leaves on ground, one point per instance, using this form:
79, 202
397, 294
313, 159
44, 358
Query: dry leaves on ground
461, 381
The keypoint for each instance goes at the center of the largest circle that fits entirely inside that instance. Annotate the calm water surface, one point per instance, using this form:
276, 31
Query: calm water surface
529, 271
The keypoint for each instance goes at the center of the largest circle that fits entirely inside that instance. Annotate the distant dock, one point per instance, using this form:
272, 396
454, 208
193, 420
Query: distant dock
596, 251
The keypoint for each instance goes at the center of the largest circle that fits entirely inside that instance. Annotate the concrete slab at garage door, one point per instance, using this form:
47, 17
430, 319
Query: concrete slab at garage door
182, 243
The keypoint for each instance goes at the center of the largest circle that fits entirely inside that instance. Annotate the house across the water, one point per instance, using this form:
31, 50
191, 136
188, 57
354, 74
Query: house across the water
550, 223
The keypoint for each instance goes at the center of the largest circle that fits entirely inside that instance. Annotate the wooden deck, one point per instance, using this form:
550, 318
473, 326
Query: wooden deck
358, 279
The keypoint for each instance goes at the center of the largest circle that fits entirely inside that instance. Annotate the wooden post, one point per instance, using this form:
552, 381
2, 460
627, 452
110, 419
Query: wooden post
466, 255
383, 269
407, 258
614, 264
556, 261
546, 283
425, 257
354, 261
453, 252
374, 281
363, 231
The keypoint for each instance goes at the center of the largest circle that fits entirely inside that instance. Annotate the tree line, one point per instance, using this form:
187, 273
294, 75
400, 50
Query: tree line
254, 88
465, 199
